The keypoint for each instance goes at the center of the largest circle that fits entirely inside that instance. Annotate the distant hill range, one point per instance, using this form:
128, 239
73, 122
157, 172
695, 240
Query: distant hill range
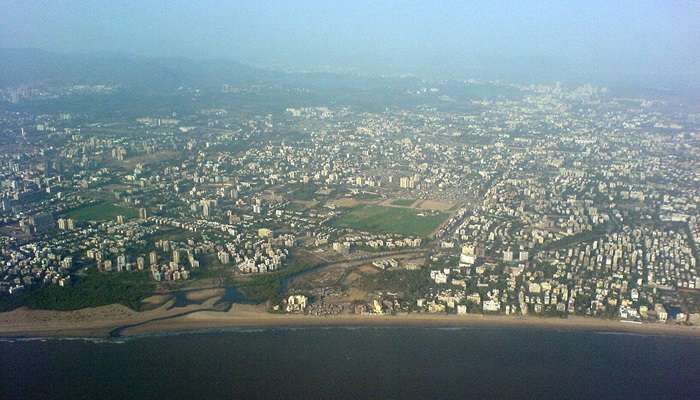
30, 66
150, 85
146, 74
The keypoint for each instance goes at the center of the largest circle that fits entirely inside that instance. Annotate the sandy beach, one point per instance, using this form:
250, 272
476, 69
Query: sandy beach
88, 322
105, 321
249, 316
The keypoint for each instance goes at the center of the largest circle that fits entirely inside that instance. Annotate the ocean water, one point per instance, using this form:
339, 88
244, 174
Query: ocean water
355, 363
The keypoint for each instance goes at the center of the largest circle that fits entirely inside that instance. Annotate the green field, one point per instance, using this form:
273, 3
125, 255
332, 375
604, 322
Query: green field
404, 221
101, 212
367, 196
403, 202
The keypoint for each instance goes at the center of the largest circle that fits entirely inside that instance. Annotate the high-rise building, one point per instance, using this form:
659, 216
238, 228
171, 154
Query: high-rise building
470, 254
508, 255
205, 210
152, 258
121, 262
67, 262
524, 255
224, 257
41, 222
407, 182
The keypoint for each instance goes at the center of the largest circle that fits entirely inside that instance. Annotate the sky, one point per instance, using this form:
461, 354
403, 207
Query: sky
612, 39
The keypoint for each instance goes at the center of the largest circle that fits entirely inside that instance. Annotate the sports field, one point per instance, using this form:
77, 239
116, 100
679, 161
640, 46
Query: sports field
404, 221
101, 212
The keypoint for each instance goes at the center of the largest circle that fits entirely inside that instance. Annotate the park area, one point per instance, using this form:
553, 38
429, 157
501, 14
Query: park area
379, 219
101, 212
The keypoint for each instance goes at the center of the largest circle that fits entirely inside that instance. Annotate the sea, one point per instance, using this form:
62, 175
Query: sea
355, 363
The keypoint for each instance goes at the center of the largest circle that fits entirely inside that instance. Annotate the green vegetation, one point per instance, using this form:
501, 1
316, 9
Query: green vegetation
264, 287
587, 236
303, 192
413, 284
91, 290
404, 221
548, 269
101, 212
295, 206
367, 196
402, 202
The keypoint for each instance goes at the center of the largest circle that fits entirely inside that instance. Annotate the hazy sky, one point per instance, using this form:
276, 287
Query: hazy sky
609, 38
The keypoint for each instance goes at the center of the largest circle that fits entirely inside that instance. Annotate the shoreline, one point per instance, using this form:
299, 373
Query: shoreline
210, 321
192, 320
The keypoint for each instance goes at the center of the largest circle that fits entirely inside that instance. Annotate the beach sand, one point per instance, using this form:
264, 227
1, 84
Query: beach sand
246, 316
100, 321
87, 322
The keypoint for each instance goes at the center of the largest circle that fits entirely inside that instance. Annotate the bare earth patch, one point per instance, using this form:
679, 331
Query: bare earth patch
352, 277
433, 205
204, 294
368, 269
156, 300
346, 202
305, 203
354, 294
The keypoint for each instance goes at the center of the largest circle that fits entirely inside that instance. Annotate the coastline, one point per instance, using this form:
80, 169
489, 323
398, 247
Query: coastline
101, 323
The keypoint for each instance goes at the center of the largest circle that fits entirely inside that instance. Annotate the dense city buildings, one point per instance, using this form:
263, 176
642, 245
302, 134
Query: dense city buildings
545, 200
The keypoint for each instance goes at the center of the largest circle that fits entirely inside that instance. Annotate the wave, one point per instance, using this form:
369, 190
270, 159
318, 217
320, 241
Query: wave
273, 329
642, 334
44, 339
